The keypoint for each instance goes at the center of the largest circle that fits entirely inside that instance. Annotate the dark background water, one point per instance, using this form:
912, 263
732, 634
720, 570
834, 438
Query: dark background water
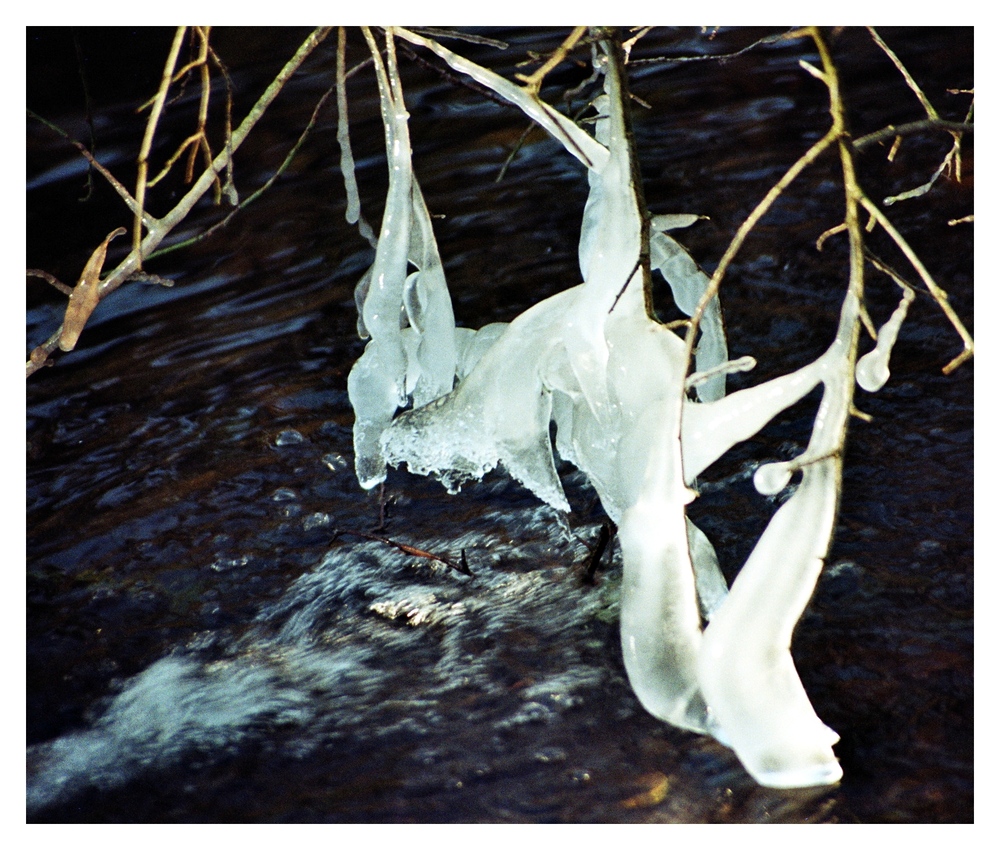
201, 643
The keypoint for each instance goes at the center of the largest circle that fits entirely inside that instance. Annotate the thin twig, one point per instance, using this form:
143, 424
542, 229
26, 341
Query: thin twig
517, 146
909, 129
533, 82
462, 567
630, 43
936, 291
454, 79
912, 83
604, 537
243, 204
889, 271
751, 221
583, 146
147, 141
720, 57
160, 228
52, 279
123, 193
434, 32
89, 111
953, 155
628, 279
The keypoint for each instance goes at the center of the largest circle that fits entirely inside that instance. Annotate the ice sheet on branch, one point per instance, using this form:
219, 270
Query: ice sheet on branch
613, 381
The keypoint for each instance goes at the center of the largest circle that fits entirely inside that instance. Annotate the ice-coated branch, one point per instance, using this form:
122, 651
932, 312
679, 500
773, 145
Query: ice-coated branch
412, 351
613, 380
575, 140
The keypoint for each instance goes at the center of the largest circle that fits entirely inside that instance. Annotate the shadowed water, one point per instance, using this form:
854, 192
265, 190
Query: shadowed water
208, 641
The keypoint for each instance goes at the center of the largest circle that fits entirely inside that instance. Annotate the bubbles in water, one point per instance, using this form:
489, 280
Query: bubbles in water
289, 437
336, 462
316, 520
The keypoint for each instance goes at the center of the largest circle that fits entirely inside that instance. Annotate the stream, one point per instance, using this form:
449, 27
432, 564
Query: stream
217, 627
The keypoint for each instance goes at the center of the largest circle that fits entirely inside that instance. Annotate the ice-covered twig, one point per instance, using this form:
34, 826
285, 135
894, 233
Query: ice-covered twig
576, 141
614, 381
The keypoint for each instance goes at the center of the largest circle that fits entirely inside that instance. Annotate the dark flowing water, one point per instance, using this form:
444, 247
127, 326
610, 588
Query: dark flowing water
206, 638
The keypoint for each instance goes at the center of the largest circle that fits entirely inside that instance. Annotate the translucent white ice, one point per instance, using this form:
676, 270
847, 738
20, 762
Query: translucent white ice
873, 368
409, 316
613, 380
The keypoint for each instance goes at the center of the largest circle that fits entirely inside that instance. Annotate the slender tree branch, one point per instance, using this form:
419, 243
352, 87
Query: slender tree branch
164, 225
49, 278
533, 82
751, 221
912, 83
147, 140
123, 193
289, 157
928, 124
936, 291
160, 228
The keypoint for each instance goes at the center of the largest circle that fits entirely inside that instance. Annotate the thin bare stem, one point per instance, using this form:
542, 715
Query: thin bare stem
954, 156
533, 82
241, 205
751, 221
936, 291
50, 279
147, 140
720, 57
435, 32
909, 129
912, 83
123, 193
160, 228
630, 43
889, 271
582, 145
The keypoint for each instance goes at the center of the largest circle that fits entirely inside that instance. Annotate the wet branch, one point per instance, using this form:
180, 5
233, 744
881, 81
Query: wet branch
462, 566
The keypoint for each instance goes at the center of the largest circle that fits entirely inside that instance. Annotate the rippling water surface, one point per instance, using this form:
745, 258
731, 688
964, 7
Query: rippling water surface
209, 636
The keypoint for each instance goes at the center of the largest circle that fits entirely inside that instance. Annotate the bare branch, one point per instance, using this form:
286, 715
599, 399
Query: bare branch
52, 279
912, 83
936, 291
533, 82
160, 228
928, 124
147, 140
123, 193
751, 221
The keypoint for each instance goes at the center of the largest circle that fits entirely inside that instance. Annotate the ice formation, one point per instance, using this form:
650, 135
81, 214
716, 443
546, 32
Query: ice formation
613, 380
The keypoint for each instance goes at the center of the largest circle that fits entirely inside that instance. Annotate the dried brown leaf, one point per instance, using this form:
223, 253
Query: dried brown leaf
85, 295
